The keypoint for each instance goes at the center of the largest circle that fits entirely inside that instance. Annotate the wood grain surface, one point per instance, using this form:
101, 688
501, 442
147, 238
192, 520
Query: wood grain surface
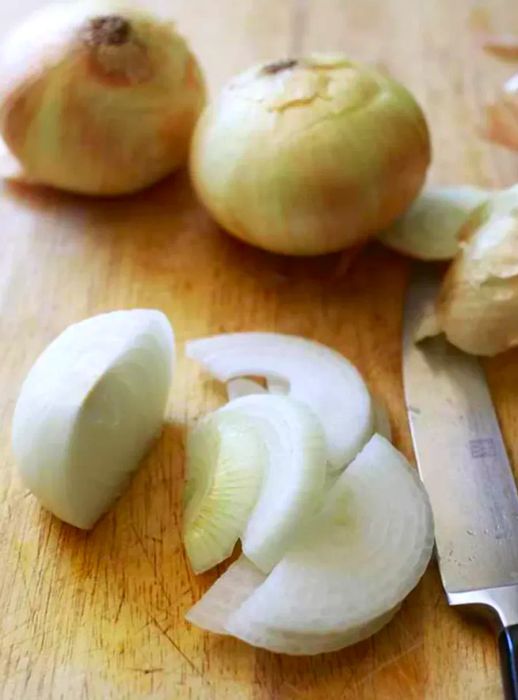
100, 615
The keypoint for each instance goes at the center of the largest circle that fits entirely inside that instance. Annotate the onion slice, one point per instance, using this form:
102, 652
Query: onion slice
89, 409
318, 376
256, 470
430, 229
225, 459
350, 569
226, 595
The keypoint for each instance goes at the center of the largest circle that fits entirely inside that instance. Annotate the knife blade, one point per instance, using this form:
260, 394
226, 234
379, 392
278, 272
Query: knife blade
463, 463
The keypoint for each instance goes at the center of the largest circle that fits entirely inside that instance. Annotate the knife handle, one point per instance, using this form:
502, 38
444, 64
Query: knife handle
508, 644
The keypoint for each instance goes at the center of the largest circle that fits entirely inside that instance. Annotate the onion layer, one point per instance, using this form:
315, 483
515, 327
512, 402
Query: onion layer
318, 376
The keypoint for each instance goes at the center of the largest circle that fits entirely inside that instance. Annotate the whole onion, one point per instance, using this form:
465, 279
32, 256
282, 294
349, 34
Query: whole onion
98, 97
309, 156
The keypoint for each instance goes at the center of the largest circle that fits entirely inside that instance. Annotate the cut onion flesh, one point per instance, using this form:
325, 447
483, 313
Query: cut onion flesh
225, 459
316, 375
226, 595
349, 570
430, 229
90, 408
263, 491
238, 583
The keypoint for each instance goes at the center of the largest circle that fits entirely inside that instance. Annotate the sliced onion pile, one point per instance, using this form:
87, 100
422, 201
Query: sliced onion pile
316, 375
328, 555
346, 575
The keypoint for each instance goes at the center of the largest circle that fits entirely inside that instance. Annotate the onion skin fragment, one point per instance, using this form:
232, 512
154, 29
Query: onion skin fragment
315, 156
477, 306
98, 97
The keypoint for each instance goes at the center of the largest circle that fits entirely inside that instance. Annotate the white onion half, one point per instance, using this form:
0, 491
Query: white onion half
90, 408
318, 376
350, 569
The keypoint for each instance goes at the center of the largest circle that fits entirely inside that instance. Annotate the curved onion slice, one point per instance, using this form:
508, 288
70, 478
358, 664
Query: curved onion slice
226, 595
318, 376
255, 469
225, 459
239, 581
351, 567
89, 409
430, 229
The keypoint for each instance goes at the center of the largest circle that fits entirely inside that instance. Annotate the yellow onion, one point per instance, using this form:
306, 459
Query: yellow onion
98, 97
309, 156
477, 307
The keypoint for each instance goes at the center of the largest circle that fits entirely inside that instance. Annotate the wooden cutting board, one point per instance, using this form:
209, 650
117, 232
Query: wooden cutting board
100, 615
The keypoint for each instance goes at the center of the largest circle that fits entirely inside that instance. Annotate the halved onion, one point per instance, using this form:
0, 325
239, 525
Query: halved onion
430, 228
318, 376
256, 469
350, 568
89, 409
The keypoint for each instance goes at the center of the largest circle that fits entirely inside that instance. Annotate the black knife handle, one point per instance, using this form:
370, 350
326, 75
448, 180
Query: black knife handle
508, 644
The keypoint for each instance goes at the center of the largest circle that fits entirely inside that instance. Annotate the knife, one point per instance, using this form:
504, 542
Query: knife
463, 463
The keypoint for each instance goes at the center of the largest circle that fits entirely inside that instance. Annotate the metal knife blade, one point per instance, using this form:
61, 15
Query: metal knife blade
463, 463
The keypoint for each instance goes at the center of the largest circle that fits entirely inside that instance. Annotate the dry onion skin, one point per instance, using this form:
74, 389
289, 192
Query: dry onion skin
503, 46
502, 116
477, 307
430, 228
309, 156
98, 97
